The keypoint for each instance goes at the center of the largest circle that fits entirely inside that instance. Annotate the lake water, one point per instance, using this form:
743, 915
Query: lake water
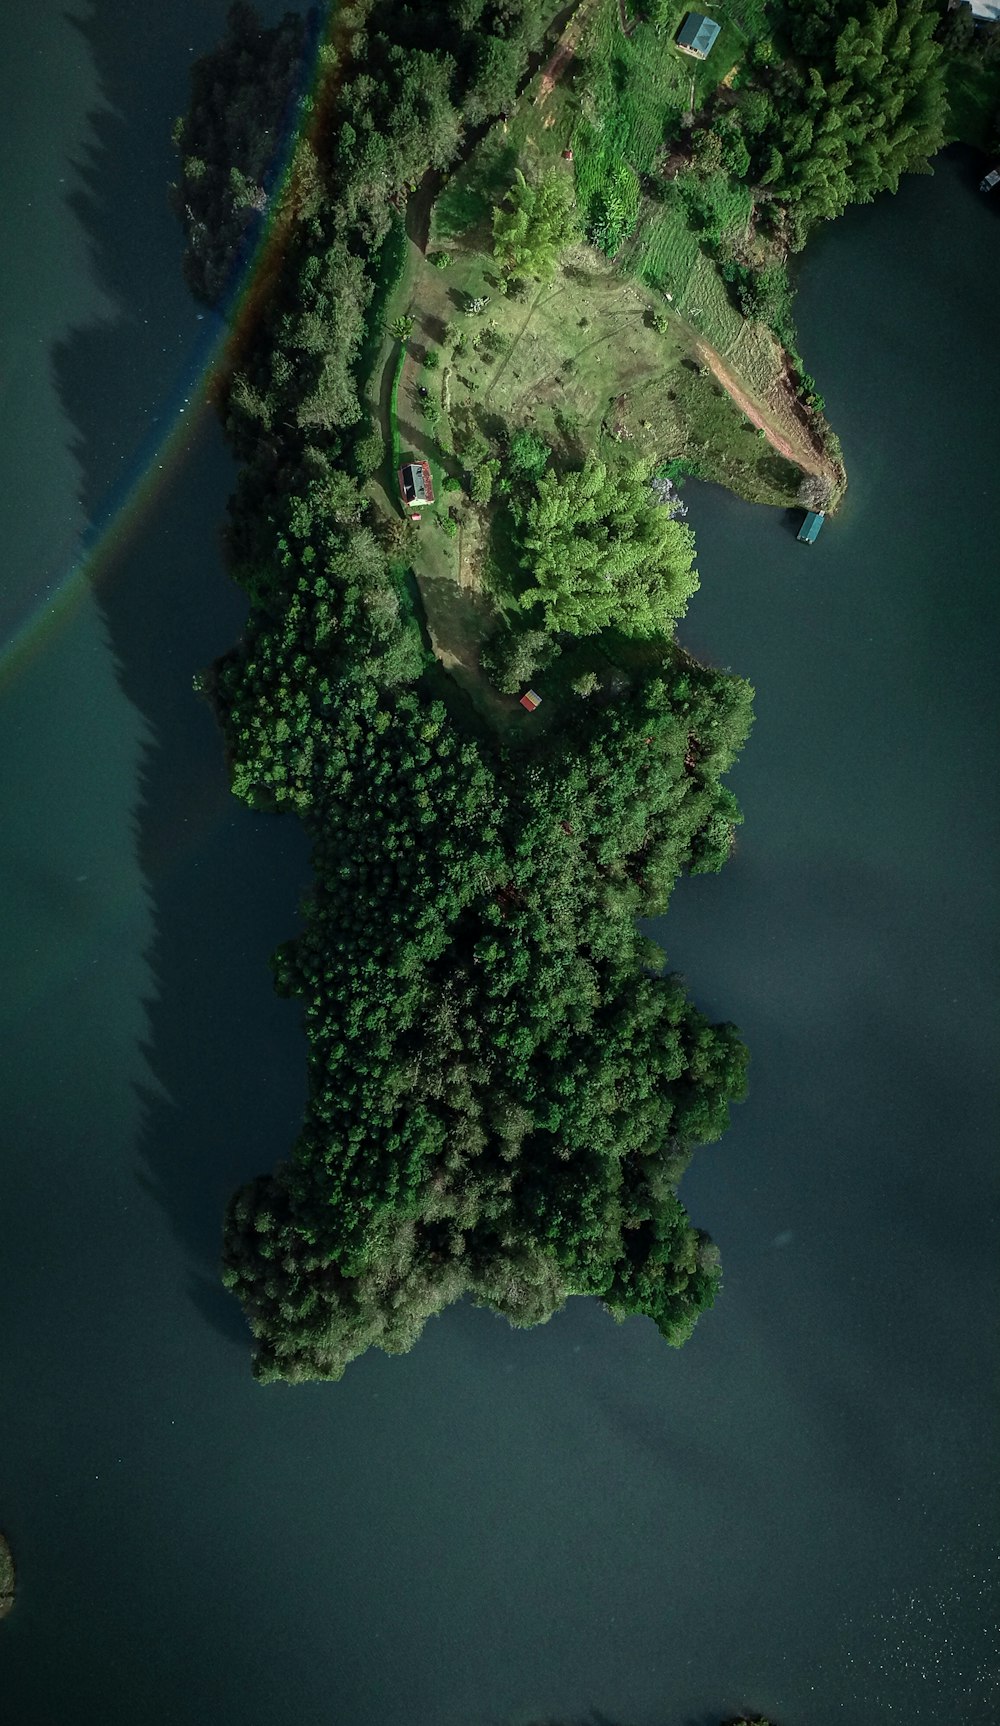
797, 1512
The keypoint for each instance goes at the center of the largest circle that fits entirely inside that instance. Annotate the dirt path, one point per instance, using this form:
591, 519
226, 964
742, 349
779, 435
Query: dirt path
509, 355
627, 28
801, 454
565, 49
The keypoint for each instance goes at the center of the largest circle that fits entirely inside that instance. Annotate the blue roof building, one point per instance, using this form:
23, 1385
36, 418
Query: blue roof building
809, 531
697, 35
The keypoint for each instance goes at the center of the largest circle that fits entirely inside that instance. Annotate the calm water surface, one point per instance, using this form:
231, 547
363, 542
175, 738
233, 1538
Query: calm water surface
796, 1512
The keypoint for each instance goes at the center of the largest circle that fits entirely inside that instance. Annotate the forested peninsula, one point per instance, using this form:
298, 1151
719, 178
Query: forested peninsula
535, 259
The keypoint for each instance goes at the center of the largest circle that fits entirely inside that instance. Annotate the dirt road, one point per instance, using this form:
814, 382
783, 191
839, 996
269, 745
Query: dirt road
565, 49
801, 452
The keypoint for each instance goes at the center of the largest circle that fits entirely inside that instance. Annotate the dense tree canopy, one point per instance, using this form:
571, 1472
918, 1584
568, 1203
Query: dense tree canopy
601, 552
866, 104
246, 100
504, 1087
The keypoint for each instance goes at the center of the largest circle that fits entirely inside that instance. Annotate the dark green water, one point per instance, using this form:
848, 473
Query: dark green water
796, 1512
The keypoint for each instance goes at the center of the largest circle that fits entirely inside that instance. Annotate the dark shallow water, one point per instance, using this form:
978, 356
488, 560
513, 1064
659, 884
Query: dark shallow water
796, 1512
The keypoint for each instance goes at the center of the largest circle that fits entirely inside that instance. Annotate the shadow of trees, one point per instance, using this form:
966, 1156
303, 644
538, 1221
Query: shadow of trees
226, 1054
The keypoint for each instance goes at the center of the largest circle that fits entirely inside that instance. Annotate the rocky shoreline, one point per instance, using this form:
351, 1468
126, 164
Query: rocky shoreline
6, 1578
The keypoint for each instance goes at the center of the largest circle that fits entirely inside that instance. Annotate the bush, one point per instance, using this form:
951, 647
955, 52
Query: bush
614, 210
432, 359
368, 453
765, 294
511, 657
481, 485
681, 467
716, 205
815, 492
735, 155
528, 454
810, 393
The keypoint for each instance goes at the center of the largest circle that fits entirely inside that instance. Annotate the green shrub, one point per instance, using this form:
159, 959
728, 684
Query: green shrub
614, 210
511, 657
368, 453
481, 484
528, 454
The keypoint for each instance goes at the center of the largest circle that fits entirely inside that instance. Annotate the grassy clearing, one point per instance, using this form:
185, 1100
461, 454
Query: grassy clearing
706, 303
663, 251
637, 87
665, 254
588, 361
603, 358
755, 354
578, 361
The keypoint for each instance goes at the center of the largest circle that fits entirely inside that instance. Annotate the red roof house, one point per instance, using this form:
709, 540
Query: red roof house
415, 484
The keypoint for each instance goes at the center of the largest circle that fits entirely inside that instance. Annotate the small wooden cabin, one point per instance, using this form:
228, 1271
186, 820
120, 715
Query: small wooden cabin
416, 488
809, 531
530, 700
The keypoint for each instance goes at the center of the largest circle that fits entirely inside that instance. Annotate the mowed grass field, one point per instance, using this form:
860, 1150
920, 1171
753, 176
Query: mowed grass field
577, 360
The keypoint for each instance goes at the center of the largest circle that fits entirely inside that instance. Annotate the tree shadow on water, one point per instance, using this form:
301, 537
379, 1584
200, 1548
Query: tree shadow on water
715, 1717
227, 1057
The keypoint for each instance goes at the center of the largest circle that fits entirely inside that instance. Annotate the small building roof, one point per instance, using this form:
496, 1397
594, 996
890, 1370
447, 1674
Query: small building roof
809, 531
697, 35
530, 700
415, 484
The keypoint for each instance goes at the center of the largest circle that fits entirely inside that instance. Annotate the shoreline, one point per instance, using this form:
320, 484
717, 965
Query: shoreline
8, 1587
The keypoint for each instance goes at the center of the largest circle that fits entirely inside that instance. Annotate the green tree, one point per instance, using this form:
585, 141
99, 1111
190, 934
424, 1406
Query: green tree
534, 225
528, 455
500, 65
615, 208
601, 554
871, 106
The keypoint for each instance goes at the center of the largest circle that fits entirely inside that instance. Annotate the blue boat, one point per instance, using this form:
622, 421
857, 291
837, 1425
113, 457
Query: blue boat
809, 531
